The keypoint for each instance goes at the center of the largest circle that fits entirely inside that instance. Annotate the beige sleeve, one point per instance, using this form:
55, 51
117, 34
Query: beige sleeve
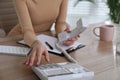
25, 21
61, 19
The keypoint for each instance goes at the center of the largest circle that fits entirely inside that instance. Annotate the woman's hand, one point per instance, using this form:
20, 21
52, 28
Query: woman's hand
70, 41
38, 49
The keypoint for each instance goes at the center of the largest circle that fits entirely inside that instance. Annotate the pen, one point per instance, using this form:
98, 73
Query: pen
49, 45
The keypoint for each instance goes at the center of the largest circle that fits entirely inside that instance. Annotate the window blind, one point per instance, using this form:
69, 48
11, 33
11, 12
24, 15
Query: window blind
8, 16
85, 7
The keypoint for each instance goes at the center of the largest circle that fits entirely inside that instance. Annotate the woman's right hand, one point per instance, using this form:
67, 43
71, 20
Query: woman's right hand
70, 41
38, 49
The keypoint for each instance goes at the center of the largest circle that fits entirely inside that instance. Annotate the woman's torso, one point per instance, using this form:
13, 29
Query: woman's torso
43, 13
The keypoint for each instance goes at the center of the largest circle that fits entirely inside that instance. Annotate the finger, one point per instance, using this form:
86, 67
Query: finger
32, 57
71, 39
78, 36
30, 51
28, 55
27, 61
68, 42
74, 39
67, 29
39, 55
47, 56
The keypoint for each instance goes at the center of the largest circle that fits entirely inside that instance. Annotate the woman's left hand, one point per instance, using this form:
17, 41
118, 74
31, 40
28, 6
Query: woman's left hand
70, 41
35, 55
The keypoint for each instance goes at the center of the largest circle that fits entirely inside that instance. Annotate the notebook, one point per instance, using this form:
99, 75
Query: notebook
51, 41
14, 50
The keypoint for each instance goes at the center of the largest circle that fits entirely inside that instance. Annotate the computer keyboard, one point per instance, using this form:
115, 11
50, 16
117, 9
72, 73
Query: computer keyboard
14, 50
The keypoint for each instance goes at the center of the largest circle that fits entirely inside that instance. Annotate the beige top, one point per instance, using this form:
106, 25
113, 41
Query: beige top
39, 15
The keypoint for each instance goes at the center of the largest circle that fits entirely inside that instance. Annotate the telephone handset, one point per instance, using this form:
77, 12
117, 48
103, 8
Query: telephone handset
66, 35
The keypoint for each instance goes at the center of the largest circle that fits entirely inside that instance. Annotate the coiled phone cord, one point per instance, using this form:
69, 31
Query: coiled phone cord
65, 53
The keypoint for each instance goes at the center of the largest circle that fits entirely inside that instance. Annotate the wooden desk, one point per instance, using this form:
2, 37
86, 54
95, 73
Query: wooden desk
97, 56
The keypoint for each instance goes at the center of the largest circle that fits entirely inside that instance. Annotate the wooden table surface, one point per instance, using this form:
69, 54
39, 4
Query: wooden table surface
97, 56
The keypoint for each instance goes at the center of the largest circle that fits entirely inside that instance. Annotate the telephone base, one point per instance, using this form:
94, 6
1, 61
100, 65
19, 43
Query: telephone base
63, 71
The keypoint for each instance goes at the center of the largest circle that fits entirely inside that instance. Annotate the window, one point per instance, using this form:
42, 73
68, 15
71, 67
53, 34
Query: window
86, 8
95, 13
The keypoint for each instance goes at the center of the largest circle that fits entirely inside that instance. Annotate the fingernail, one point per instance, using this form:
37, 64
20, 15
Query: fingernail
37, 63
48, 59
30, 64
26, 63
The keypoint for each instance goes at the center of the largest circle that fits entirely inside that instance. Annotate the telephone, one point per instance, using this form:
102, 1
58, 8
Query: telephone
63, 71
66, 35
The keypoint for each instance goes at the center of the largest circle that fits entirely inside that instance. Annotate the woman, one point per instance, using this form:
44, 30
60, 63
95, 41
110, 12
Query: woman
38, 16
